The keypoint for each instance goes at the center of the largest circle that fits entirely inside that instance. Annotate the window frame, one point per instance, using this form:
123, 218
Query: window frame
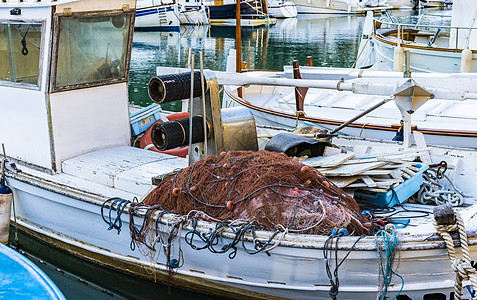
24, 85
55, 44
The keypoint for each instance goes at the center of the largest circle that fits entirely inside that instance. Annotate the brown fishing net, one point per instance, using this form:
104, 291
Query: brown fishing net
270, 188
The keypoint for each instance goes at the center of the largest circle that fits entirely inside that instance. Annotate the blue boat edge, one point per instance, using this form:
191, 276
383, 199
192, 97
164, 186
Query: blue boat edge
29, 271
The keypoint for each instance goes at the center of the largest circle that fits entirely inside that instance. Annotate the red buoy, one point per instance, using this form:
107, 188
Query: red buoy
176, 191
230, 205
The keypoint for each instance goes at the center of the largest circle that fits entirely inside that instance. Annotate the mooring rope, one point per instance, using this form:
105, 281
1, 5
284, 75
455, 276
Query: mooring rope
461, 266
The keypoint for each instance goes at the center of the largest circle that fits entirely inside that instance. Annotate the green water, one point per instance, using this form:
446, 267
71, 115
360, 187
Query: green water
331, 41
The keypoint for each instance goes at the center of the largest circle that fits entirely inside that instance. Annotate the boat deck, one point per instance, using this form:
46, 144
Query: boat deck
125, 168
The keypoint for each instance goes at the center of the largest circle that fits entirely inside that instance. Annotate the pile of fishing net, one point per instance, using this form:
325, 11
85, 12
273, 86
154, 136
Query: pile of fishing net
269, 188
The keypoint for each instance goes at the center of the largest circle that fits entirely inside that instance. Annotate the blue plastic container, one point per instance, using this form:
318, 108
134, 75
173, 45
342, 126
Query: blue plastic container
142, 119
401, 193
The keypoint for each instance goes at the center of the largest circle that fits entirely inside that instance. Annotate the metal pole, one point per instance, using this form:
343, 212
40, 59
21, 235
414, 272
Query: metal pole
204, 115
238, 43
191, 105
359, 116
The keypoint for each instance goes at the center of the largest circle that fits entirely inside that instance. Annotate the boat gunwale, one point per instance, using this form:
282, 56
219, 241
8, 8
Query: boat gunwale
407, 241
249, 105
381, 38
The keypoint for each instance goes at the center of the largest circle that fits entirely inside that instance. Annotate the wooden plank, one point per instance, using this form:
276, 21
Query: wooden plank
365, 186
421, 143
328, 161
368, 181
377, 172
396, 174
409, 172
350, 170
343, 181
404, 156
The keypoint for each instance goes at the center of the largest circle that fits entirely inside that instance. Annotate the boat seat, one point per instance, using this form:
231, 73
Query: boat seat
126, 168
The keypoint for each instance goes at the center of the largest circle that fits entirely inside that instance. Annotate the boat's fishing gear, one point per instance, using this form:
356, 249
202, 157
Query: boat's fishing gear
213, 130
448, 220
115, 204
328, 252
433, 191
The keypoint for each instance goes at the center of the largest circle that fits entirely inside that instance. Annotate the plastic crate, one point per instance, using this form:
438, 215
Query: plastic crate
401, 193
144, 118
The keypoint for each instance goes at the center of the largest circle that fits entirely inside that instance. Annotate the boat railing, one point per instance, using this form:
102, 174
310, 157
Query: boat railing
431, 28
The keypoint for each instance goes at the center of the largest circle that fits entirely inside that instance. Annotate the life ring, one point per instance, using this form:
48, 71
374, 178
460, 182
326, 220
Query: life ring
146, 140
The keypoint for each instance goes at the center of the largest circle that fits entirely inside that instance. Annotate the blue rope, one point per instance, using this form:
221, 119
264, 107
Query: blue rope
387, 270
118, 205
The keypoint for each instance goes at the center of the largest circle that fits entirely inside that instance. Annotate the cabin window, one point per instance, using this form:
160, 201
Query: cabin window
91, 50
20, 52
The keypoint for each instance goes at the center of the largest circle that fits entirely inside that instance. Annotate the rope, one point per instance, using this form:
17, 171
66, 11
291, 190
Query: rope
299, 113
461, 266
389, 243
327, 254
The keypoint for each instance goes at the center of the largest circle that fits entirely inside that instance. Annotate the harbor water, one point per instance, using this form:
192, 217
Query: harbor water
332, 41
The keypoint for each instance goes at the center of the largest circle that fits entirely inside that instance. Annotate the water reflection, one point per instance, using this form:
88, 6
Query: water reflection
332, 41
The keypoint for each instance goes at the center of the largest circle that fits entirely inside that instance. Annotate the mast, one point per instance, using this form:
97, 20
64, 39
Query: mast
238, 43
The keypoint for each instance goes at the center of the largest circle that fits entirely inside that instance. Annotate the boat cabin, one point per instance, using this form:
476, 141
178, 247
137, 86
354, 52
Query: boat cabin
64, 66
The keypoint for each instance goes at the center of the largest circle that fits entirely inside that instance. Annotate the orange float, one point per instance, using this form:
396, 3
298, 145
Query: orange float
146, 140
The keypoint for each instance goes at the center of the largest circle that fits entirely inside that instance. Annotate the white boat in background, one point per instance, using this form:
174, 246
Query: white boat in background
76, 177
339, 94
339, 6
444, 47
193, 12
282, 9
157, 15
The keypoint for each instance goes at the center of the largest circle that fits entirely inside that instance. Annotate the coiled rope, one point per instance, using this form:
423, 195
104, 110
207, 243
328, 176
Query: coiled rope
461, 266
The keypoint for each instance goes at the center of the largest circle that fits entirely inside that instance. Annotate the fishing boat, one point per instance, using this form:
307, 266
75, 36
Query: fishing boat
339, 6
252, 12
21, 279
76, 178
390, 44
282, 9
155, 15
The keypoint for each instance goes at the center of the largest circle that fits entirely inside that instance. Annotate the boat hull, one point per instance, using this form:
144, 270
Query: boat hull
334, 7
227, 11
157, 18
422, 59
194, 16
295, 268
285, 10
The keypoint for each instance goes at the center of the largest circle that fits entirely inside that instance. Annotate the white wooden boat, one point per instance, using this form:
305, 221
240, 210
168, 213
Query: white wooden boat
448, 119
282, 9
68, 171
339, 6
430, 48
155, 15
